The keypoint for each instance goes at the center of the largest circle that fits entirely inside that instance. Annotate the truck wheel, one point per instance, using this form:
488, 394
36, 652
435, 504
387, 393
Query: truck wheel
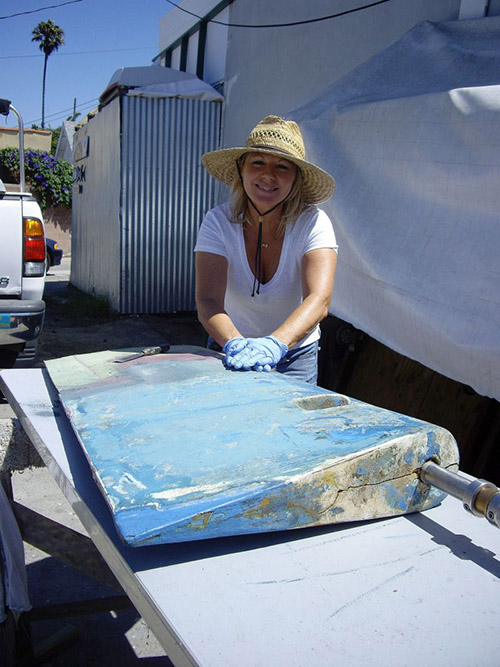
16, 357
7, 358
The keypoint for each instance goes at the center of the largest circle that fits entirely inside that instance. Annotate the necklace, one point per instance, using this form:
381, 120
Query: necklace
265, 244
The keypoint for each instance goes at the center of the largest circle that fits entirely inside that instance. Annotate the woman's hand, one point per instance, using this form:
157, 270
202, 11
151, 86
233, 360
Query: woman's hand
258, 354
233, 347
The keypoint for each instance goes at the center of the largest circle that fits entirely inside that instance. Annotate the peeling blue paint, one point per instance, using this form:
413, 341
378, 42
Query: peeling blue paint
395, 497
184, 449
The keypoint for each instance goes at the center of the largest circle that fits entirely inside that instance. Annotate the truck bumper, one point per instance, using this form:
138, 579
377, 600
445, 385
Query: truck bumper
20, 321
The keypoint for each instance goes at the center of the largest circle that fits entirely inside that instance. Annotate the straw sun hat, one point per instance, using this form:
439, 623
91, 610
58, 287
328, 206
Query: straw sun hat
279, 137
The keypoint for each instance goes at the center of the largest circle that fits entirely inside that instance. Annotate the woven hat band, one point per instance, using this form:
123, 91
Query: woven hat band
265, 147
275, 133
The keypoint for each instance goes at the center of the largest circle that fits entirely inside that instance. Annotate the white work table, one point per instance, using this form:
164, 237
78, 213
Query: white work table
415, 590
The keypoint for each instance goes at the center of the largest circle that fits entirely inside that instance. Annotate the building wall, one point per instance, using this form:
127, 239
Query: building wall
174, 24
38, 140
191, 42
274, 70
57, 223
95, 238
215, 58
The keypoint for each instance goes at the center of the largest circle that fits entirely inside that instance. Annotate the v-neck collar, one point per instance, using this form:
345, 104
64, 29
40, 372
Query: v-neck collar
246, 262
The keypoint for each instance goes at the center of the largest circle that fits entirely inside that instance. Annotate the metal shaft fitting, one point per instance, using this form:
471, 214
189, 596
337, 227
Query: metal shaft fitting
479, 497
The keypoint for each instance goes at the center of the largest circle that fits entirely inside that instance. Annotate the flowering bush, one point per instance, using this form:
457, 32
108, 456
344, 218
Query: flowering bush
50, 179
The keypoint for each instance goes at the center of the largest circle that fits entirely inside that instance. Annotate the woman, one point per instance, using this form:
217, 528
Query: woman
265, 261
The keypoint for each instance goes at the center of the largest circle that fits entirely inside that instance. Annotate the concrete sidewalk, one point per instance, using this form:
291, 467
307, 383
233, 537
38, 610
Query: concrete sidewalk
118, 638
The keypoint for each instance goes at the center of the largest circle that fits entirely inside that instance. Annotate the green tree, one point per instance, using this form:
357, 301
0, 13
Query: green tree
50, 37
54, 140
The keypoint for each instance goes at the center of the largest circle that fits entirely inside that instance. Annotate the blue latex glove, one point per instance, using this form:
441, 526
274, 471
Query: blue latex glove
233, 346
260, 354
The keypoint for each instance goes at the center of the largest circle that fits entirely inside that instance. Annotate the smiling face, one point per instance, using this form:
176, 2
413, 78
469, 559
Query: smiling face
267, 179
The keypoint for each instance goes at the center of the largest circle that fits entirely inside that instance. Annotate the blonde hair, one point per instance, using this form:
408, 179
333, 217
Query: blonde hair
293, 206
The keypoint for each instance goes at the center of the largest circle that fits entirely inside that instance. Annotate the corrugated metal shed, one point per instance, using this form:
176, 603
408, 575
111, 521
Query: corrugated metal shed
140, 195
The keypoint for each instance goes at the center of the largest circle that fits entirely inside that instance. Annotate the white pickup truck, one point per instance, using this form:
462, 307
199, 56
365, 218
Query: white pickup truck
22, 265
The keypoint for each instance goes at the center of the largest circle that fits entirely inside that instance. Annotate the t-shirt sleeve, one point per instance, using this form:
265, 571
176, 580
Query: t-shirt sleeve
320, 233
210, 237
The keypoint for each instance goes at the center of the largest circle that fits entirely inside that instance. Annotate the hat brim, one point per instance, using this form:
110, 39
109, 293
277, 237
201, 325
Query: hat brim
318, 185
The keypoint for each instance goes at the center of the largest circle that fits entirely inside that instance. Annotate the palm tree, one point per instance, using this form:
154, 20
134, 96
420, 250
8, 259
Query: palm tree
51, 37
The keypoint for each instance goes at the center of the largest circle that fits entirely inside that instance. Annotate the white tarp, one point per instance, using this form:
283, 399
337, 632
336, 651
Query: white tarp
156, 81
194, 88
130, 77
413, 139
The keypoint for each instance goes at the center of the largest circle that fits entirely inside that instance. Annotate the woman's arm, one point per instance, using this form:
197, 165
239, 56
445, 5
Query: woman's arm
318, 273
211, 281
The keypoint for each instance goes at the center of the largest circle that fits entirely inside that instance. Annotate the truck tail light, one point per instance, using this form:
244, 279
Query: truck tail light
34, 248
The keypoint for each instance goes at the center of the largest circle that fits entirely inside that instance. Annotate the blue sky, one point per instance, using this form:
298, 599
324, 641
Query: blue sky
100, 37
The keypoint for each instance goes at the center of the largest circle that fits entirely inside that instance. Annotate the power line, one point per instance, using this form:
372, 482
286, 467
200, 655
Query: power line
64, 112
281, 25
81, 53
41, 9
57, 118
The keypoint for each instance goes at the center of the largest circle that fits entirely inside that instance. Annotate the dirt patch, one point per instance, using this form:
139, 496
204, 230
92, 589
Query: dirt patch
76, 323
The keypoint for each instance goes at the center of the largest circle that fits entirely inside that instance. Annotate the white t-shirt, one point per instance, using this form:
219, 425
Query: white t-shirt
261, 314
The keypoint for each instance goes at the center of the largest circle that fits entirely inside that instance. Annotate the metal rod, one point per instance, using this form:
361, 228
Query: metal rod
22, 183
479, 497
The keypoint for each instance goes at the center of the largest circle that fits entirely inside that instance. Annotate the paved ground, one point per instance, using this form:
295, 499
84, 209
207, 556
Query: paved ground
108, 639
